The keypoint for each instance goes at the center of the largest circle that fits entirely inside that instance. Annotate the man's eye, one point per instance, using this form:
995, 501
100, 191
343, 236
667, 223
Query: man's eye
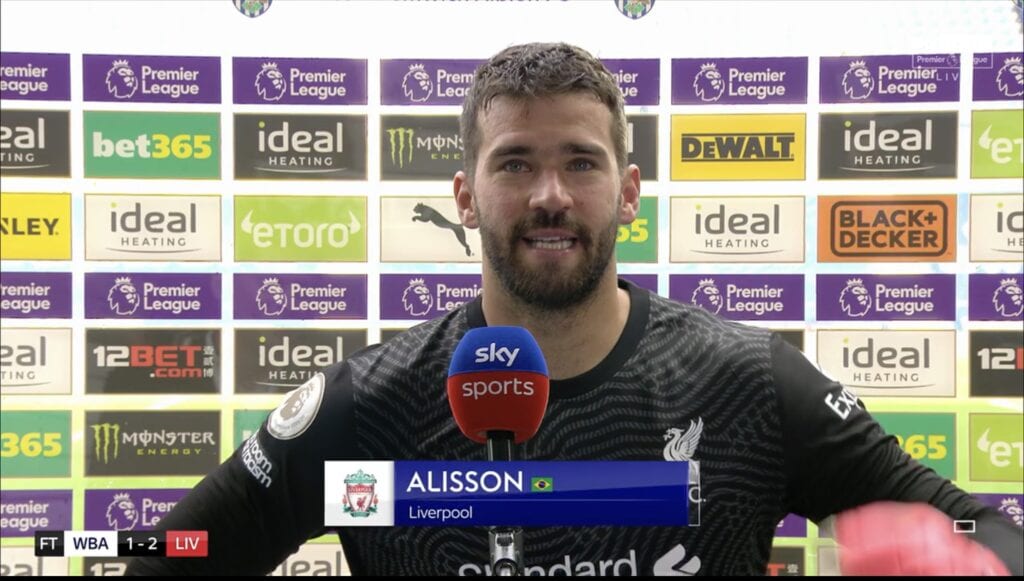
581, 165
514, 166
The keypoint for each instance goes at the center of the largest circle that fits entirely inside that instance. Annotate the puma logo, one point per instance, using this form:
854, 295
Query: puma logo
425, 213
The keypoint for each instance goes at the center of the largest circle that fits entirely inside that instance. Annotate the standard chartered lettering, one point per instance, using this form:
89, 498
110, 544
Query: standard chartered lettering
621, 567
469, 481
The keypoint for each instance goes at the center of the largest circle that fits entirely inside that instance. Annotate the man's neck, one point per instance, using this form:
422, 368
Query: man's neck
575, 339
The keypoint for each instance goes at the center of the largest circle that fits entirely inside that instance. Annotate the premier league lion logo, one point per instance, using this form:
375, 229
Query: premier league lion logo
416, 84
121, 513
270, 83
121, 80
857, 81
123, 298
708, 83
1011, 508
855, 298
707, 296
416, 299
1010, 78
270, 297
1008, 299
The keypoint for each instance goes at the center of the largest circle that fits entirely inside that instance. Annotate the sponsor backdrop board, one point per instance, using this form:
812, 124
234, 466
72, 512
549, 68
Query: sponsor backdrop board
187, 235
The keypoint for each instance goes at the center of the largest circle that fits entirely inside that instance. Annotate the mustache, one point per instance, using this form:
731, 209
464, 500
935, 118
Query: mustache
543, 219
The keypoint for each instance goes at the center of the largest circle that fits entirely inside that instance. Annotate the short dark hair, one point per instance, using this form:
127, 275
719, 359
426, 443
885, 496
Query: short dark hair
540, 70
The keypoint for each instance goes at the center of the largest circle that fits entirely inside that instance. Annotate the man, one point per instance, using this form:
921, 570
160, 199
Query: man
547, 183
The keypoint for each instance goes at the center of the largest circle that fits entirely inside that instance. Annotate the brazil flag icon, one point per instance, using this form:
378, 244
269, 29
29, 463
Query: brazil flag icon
542, 484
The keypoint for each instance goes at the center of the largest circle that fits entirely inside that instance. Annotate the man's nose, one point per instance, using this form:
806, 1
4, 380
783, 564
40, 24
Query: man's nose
551, 193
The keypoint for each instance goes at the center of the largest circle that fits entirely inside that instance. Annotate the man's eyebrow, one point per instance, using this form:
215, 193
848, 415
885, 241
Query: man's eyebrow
583, 148
570, 148
508, 150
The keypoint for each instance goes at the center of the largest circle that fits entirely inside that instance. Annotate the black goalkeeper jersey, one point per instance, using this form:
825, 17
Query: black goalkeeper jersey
772, 436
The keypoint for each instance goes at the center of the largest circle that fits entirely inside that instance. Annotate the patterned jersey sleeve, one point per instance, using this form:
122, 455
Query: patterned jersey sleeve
266, 500
839, 457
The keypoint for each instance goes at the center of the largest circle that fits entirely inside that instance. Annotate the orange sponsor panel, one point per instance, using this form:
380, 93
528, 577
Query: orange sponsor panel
887, 228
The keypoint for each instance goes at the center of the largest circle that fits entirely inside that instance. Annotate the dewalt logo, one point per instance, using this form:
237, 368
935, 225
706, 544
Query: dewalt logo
738, 147
106, 438
886, 228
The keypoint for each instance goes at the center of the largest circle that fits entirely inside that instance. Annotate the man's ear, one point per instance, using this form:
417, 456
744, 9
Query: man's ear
630, 190
464, 200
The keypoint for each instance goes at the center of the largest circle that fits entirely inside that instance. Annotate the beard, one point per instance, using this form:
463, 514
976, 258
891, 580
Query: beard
549, 286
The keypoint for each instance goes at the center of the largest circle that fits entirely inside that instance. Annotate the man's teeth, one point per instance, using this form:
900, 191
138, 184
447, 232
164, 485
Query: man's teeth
551, 243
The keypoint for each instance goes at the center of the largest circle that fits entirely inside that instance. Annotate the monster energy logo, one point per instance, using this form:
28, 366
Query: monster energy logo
106, 436
401, 145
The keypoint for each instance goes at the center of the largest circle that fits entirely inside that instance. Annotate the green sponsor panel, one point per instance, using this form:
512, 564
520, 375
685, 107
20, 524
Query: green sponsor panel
119, 144
997, 447
638, 242
927, 438
247, 423
35, 444
300, 228
997, 144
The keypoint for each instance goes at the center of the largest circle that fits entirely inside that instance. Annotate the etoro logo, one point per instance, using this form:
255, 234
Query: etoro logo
311, 228
708, 84
997, 149
997, 453
858, 83
270, 83
417, 85
122, 82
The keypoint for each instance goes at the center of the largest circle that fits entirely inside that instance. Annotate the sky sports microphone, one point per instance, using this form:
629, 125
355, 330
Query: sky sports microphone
498, 390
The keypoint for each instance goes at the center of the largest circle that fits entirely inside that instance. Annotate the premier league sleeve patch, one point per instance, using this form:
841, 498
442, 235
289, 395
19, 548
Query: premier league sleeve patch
298, 410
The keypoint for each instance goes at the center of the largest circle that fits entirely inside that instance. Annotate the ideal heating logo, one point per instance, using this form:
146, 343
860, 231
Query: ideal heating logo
736, 229
890, 363
997, 228
152, 228
888, 145
34, 361
307, 147
35, 143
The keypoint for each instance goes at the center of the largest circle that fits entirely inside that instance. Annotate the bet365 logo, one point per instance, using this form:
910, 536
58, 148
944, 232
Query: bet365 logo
151, 145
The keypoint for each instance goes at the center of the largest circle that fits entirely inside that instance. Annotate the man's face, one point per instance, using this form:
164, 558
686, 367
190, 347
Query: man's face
548, 197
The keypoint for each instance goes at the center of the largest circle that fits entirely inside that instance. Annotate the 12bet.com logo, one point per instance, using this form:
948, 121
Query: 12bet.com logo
151, 145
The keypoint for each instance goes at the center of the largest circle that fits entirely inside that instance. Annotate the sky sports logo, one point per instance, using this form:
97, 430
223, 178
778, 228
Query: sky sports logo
886, 228
738, 147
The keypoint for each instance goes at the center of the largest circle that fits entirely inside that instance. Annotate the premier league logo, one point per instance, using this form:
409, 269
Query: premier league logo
416, 84
123, 297
1008, 299
270, 297
121, 80
708, 83
857, 81
855, 298
360, 499
416, 299
252, 8
121, 513
1010, 78
707, 296
270, 83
